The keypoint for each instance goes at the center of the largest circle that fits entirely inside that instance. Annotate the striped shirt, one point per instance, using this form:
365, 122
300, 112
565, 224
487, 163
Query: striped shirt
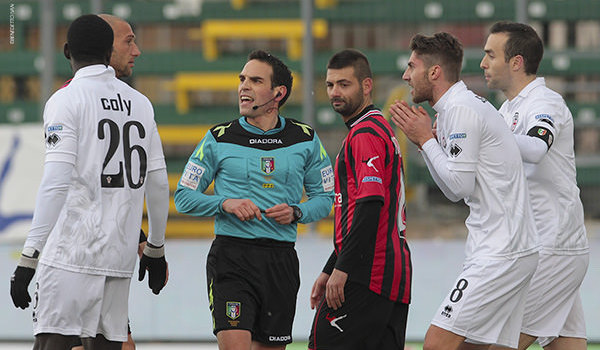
369, 169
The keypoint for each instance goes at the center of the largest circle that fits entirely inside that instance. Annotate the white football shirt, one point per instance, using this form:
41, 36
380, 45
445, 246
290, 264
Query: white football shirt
106, 130
552, 182
474, 138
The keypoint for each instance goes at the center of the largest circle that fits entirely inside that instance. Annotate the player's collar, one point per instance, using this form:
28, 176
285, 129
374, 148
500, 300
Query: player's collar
540, 81
458, 87
93, 70
368, 111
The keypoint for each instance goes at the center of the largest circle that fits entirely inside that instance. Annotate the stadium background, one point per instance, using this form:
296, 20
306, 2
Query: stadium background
192, 52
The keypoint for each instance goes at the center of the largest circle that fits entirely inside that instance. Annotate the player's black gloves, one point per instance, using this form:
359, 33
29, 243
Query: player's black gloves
154, 261
19, 281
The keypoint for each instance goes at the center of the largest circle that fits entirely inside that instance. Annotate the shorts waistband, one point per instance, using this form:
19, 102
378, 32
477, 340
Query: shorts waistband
260, 242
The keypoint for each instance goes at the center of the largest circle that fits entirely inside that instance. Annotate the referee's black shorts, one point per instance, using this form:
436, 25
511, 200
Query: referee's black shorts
253, 285
366, 321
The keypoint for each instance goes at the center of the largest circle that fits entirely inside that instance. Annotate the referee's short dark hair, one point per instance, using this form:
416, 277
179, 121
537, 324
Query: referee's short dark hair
281, 73
90, 38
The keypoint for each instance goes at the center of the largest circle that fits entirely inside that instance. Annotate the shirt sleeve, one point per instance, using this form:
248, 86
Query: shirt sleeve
532, 149
542, 123
157, 202
318, 184
453, 167
157, 157
355, 255
198, 174
50, 199
61, 129
455, 185
371, 155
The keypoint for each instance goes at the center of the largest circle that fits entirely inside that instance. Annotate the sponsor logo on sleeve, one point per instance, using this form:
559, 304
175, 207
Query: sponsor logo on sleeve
52, 135
544, 116
372, 179
192, 175
54, 128
327, 178
458, 135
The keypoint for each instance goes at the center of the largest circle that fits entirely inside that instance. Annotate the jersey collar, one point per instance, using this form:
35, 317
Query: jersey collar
93, 70
535, 83
368, 111
255, 130
455, 89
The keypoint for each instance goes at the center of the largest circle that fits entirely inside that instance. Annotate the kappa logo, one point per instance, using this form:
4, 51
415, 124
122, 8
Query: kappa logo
333, 321
370, 164
447, 311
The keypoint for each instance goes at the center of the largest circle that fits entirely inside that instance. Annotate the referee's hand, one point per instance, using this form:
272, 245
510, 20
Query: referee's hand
153, 260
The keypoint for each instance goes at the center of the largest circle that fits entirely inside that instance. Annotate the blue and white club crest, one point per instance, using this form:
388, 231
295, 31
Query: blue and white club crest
234, 308
267, 165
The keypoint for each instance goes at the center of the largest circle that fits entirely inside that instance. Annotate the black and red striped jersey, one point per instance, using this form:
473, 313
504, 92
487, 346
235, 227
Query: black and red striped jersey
368, 170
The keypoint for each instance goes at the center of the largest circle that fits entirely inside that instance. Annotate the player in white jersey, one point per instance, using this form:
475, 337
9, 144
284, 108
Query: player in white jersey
103, 155
543, 128
472, 160
125, 51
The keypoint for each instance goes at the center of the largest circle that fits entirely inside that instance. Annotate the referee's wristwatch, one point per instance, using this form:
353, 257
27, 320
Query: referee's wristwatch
297, 214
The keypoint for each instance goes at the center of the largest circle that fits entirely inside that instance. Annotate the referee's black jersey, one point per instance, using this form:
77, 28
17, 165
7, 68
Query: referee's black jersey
369, 174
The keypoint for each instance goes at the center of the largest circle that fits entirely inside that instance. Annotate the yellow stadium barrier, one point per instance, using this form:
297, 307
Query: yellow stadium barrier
184, 82
291, 30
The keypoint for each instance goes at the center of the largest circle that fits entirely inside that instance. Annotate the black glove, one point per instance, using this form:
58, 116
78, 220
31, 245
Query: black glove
154, 261
20, 279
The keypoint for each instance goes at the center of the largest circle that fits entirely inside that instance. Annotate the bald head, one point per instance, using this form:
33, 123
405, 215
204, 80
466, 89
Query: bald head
125, 50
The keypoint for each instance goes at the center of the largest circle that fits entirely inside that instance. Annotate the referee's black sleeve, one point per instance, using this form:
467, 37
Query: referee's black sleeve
356, 255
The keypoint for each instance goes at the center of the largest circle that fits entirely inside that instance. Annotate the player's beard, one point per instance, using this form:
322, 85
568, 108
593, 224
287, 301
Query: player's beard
350, 104
422, 90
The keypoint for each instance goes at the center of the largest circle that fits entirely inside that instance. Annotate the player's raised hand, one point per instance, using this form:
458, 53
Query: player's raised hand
414, 121
153, 260
20, 279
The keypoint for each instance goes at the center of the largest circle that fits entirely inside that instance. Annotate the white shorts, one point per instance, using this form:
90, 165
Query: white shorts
553, 307
71, 303
487, 300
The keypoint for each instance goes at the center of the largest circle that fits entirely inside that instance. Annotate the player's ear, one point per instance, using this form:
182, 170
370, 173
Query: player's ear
66, 51
367, 86
517, 62
435, 72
